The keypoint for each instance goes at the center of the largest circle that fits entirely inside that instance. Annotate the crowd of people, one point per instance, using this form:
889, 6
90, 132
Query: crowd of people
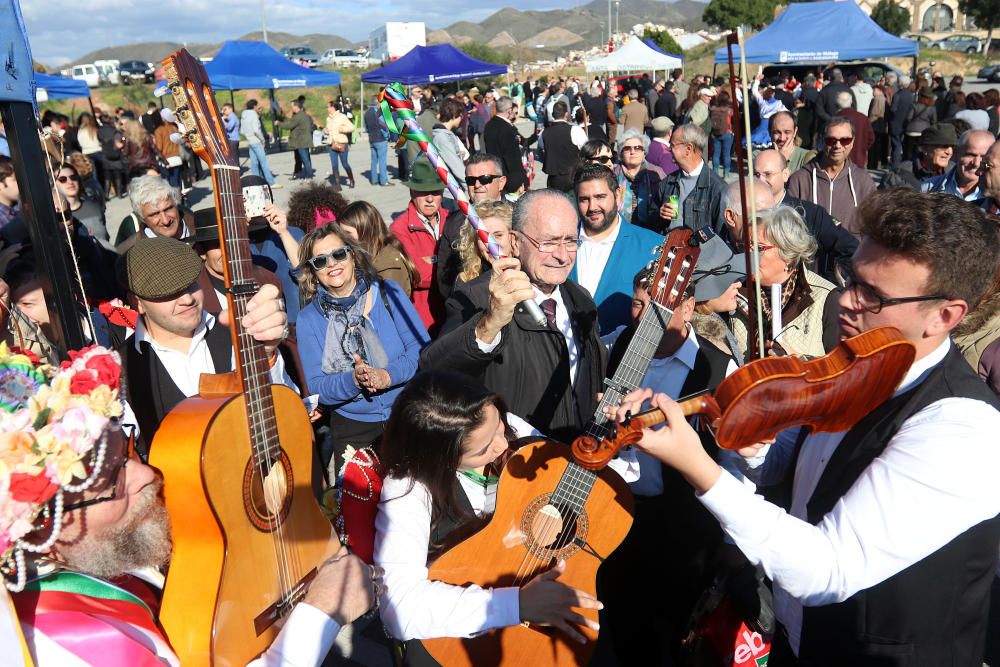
418, 354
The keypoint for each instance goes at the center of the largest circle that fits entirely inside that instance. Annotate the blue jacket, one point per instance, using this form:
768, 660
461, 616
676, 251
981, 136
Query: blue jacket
402, 335
633, 249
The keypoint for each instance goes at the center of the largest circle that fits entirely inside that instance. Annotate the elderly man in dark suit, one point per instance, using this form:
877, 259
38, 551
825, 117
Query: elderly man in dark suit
503, 140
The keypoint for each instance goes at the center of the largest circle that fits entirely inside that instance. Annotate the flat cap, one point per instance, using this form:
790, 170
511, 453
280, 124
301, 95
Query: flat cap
661, 125
942, 134
157, 268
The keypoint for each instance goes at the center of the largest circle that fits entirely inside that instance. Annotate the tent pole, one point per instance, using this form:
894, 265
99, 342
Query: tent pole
231, 100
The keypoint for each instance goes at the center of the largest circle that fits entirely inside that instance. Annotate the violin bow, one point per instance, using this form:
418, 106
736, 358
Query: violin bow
742, 132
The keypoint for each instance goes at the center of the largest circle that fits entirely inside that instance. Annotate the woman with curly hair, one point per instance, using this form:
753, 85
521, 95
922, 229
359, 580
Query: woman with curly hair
497, 217
364, 224
359, 339
313, 205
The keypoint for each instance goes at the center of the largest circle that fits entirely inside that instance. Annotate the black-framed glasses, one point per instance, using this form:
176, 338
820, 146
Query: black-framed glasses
833, 141
569, 245
485, 179
603, 159
68, 178
867, 299
336, 256
114, 478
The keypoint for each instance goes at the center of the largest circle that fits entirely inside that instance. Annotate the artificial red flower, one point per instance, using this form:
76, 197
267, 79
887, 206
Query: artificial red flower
25, 488
107, 369
84, 382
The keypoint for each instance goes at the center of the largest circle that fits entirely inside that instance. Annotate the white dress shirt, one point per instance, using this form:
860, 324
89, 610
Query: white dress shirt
186, 368
413, 606
593, 256
935, 479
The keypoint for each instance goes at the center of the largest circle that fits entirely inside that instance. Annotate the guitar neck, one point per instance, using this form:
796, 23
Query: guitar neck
633, 366
252, 364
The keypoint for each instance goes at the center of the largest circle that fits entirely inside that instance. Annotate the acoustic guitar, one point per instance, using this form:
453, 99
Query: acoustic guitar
549, 508
236, 459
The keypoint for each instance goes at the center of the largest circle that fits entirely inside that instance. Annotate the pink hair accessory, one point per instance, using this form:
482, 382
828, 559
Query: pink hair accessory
324, 216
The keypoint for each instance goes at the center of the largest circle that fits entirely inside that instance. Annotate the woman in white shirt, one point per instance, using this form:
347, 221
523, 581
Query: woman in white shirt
441, 451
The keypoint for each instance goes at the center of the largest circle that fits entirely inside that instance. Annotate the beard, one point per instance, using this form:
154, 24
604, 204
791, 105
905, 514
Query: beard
603, 224
141, 540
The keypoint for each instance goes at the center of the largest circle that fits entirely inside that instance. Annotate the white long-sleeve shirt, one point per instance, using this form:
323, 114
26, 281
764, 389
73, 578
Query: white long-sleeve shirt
934, 480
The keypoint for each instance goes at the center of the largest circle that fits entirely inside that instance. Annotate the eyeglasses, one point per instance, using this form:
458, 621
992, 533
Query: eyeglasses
867, 299
569, 245
114, 478
485, 179
761, 247
337, 256
674, 146
986, 165
603, 159
833, 141
633, 149
67, 179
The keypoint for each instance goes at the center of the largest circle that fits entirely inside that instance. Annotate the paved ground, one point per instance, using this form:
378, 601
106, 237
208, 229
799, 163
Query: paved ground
390, 201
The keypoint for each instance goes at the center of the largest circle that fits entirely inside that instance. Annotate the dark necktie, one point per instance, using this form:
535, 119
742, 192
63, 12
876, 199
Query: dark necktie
549, 308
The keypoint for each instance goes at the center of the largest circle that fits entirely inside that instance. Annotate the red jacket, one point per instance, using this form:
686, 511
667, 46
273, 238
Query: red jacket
422, 249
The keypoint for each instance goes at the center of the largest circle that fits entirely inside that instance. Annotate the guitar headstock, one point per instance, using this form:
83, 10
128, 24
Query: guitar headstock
196, 109
674, 268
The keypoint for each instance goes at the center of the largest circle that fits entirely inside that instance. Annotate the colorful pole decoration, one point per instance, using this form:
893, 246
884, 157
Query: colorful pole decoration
394, 99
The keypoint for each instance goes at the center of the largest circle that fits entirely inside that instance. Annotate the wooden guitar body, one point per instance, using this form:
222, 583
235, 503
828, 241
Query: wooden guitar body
498, 554
223, 599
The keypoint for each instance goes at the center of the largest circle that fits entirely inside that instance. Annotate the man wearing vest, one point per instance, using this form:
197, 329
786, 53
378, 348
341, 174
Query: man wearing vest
561, 154
890, 545
175, 341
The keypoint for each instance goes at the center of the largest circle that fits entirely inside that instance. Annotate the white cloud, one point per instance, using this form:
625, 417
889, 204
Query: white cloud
63, 30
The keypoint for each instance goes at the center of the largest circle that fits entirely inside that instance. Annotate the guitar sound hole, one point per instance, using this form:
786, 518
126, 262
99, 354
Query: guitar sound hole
267, 498
551, 530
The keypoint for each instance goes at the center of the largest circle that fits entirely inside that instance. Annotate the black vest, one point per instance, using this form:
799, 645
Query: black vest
561, 154
933, 612
150, 390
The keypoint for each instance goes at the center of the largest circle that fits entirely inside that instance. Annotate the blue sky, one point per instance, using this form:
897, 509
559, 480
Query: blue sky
63, 30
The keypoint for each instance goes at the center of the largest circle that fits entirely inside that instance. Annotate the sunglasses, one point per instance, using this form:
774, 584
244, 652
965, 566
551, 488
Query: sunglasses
603, 159
485, 179
337, 256
843, 141
67, 179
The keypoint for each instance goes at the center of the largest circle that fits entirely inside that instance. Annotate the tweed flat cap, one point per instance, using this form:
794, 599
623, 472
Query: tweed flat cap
157, 268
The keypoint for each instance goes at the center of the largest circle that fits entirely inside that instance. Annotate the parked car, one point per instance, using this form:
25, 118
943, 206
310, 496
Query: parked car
87, 73
343, 58
302, 55
966, 43
136, 70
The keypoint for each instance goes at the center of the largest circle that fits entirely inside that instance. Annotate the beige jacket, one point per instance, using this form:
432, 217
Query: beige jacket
339, 128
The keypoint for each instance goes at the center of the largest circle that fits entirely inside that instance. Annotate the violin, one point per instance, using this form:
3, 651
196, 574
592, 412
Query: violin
828, 394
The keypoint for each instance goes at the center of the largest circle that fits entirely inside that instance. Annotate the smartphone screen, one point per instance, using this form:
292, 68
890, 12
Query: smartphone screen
255, 198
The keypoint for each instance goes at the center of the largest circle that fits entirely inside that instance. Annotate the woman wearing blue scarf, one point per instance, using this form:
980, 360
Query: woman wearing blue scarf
359, 339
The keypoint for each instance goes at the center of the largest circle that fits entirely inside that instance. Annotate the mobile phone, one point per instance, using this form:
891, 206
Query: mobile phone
255, 198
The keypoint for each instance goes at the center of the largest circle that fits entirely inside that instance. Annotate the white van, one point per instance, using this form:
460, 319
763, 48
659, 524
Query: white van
108, 69
88, 74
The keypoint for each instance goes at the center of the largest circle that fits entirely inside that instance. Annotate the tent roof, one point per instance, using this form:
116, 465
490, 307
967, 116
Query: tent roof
241, 65
802, 34
433, 64
656, 47
633, 56
61, 87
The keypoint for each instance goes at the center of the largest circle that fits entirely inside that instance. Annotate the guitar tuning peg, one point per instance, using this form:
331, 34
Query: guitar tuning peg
181, 109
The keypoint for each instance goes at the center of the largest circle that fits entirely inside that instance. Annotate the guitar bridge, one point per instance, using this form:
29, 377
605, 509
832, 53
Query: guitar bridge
284, 606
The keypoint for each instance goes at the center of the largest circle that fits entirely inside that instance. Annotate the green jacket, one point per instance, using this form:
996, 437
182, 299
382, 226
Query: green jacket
300, 128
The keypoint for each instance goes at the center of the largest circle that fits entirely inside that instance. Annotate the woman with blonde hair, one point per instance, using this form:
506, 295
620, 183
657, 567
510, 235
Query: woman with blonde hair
497, 217
364, 224
137, 146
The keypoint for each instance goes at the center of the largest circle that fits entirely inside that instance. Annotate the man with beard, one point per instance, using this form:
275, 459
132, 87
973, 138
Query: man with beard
85, 536
611, 249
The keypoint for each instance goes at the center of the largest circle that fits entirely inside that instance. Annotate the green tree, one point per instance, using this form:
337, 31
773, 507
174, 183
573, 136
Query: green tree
488, 54
986, 14
728, 14
663, 40
891, 17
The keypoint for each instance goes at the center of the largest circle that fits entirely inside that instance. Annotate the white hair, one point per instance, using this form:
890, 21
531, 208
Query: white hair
151, 189
786, 229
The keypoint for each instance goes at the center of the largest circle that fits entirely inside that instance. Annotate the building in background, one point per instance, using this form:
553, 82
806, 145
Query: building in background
395, 39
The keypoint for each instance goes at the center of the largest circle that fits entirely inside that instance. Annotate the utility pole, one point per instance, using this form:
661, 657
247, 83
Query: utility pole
618, 25
263, 22
610, 25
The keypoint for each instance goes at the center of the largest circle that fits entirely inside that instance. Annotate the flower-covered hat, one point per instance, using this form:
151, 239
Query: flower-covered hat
53, 436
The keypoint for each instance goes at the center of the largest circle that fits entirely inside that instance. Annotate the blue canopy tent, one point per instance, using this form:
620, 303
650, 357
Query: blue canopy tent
653, 45
440, 63
803, 34
242, 65
61, 87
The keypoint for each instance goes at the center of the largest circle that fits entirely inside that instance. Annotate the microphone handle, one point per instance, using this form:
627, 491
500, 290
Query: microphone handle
534, 312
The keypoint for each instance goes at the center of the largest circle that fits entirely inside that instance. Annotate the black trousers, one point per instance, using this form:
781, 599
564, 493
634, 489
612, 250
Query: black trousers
343, 432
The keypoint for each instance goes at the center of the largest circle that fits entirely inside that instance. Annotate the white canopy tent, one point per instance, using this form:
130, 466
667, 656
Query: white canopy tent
633, 56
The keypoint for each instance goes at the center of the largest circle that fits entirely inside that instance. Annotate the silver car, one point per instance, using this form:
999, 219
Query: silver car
965, 43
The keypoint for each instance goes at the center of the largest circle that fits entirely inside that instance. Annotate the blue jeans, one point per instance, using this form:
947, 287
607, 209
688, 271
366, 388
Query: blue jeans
307, 165
380, 153
258, 163
722, 152
341, 158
